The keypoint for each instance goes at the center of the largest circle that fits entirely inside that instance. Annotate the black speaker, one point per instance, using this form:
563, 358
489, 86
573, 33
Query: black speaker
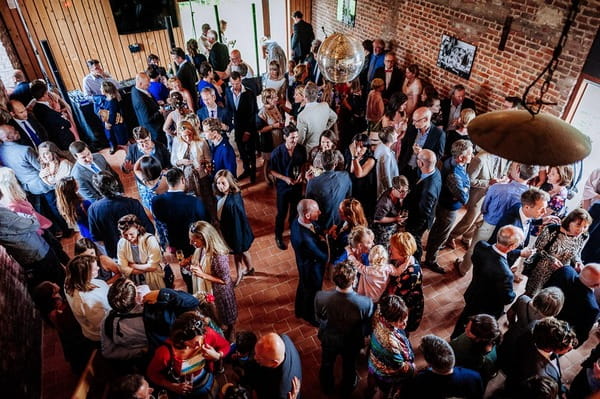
54, 70
169, 25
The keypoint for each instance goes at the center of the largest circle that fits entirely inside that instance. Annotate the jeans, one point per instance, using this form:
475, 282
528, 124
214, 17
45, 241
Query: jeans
286, 206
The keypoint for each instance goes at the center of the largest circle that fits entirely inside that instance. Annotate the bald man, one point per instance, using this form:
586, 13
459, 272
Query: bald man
311, 256
422, 134
581, 308
234, 65
276, 370
147, 109
423, 197
21, 91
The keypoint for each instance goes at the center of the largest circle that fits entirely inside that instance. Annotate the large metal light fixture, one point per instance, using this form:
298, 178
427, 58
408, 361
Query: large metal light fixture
340, 58
528, 136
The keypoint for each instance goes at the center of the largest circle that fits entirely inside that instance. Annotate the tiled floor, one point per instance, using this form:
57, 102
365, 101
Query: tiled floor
266, 299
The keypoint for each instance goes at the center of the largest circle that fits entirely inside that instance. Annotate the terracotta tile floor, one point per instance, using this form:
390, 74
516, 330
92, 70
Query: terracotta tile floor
266, 299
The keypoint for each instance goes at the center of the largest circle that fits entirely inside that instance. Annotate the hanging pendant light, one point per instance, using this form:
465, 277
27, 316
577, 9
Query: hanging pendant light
340, 58
528, 136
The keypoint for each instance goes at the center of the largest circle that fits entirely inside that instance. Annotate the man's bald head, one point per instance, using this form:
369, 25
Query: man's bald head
18, 76
590, 275
426, 160
142, 81
270, 350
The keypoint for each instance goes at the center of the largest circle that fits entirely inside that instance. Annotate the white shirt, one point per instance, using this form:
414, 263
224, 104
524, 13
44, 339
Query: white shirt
90, 308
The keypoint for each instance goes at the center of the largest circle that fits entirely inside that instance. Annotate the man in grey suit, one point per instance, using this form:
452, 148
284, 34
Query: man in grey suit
23, 160
86, 167
314, 119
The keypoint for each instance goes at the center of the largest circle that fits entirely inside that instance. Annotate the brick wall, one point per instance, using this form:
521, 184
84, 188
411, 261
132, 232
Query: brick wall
20, 334
415, 29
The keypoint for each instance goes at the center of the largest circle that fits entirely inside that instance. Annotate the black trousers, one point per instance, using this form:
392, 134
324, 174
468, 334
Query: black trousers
287, 201
247, 151
349, 354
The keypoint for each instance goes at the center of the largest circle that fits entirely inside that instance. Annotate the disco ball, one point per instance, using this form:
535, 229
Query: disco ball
340, 58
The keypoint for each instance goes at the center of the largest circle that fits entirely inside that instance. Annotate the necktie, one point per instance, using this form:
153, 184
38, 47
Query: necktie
95, 168
32, 134
212, 113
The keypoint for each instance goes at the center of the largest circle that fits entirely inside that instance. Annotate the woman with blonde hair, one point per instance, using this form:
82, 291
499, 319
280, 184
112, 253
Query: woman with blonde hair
72, 206
87, 295
360, 242
461, 132
409, 283
139, 254
275, 79
210, 270
269, 122
375, 277
234, 223
352, 215
54, 163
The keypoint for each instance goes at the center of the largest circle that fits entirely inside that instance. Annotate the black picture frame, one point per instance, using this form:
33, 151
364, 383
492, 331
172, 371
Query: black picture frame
456, 56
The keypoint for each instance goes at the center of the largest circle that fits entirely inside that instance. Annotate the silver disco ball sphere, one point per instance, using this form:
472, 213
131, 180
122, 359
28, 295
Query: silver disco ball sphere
340, 58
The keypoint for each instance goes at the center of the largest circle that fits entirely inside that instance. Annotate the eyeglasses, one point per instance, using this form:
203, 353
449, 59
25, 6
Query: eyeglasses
425, 119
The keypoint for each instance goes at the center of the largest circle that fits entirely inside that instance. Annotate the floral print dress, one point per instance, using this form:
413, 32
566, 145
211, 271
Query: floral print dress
409, 286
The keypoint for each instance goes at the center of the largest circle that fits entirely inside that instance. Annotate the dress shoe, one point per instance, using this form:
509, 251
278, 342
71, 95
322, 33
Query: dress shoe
280, 244
249, 272
434, 267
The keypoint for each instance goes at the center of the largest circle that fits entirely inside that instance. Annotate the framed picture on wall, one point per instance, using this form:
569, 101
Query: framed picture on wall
346, 11
456, 56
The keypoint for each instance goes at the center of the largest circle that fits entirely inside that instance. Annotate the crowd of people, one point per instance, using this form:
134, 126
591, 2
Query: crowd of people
361, 171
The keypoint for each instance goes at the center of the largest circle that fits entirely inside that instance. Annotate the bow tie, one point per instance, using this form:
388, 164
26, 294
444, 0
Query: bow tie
389, 70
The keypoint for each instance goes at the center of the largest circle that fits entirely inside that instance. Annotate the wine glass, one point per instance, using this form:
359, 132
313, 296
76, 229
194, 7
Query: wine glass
295, 172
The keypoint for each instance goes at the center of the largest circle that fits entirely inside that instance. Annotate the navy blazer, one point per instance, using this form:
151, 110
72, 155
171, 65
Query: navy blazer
244, 117
301, 39
421, 202
492, 285
580, 309
37, 127
329, 189
22, 93
310, 252
591, 250
223, 157
222, 114
512, 216
446, 104
148, 113
57, 127
234, 224
178, 210
396, 81
436, 142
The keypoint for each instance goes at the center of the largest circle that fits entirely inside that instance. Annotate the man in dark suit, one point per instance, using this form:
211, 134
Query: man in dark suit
581, 308
301, 38
315, 74
242, 108
420, 135
344, 320
213, 110
186, 73
453, 106
329, 190
218, 56
537, 354
492, 285
87, 166
32, 133
147, 109
529, 211
423, 198
311, 256
391, 75
21, 92
57, 127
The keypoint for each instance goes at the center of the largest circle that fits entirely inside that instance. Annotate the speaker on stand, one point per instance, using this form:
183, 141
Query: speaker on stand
169, 25
54, 70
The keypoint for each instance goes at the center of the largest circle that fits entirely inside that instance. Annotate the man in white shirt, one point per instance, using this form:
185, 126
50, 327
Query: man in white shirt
314, 119
92, 82
387, 166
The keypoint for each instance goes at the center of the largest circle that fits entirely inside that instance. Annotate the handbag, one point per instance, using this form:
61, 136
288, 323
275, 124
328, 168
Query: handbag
530, 263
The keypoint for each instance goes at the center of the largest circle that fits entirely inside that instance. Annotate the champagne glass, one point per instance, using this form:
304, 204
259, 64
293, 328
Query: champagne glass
295, 172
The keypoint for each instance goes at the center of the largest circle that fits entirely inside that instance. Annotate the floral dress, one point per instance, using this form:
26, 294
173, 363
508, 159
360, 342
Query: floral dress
565, 248
386, 208
409, 286
556, 204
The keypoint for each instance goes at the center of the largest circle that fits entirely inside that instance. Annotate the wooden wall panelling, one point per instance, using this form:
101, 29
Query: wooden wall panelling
37, 31
302, 5
112, 46
18, 37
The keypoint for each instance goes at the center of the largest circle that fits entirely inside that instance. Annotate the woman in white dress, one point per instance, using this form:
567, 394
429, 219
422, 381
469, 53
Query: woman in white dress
412, 87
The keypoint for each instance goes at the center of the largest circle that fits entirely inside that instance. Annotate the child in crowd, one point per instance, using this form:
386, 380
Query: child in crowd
242, 351
374, 278
111, 115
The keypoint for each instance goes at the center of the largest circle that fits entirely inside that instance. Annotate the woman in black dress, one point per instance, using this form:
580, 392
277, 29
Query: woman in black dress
360, 163
234, 222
